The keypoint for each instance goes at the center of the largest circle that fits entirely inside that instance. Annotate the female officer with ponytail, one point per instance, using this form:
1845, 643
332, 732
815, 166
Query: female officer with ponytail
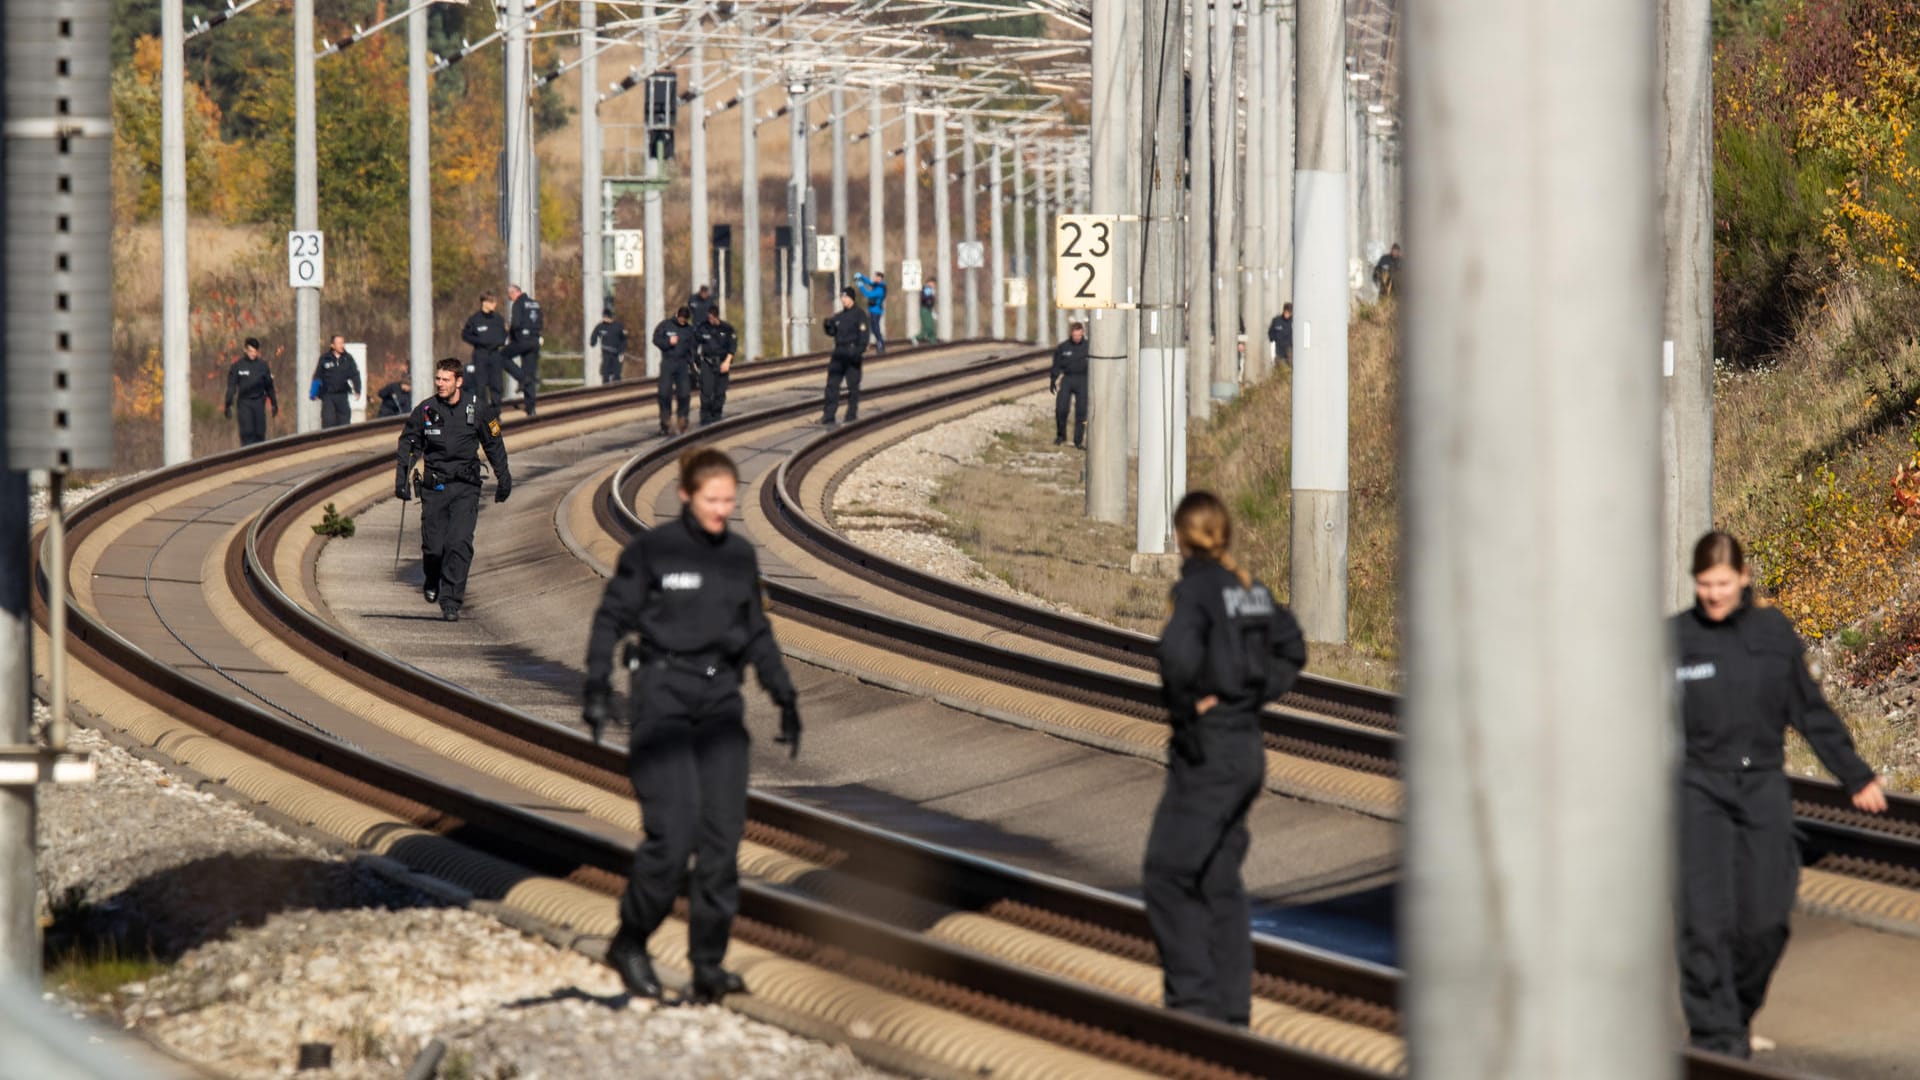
1227, 650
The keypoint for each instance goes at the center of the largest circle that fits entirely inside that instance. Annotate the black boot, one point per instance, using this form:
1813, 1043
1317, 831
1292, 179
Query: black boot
432, 593
710, 984
629, 958
450, 612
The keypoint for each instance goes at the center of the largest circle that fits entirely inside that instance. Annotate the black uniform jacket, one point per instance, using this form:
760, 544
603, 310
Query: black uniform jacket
486, 332
522, 338
680, 352
1741, 682
610, 335
448, 436
697, 307
250, 380
849, 330
394, 400
1069, 358
337, 374
689, 594
1280, 332
1228, 640
717, 342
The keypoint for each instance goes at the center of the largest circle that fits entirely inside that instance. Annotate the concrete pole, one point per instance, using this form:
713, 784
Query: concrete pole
1686, 32
1538, 903
420, 356
798, 329
1107, 329
1261, 117
1319, 540
910, 203
877, 197
20, 959
306, 213
1281, 74
996, 248
1200, 212
1060, 200
942, 232
521, 213
653, 231
970, 218
837, 131
749, 240
1021, 267
1161, 336
700, 236
176, 396
1042, 251
1223, 380
1354, 178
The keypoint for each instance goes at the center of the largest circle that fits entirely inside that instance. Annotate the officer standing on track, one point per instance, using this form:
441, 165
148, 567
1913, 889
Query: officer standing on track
611, 336
446, 432
848, 328
525, 324
486, 331
1743, 679
717, 344
1068, 381
691, 590
1228, 649
676, 341
336, 378
250, 382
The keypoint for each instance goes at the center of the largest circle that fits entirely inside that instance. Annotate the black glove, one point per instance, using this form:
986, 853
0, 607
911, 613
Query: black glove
227, 411
402, 490
598, 710
1186, 744
790, 728
1053, 386
503, 488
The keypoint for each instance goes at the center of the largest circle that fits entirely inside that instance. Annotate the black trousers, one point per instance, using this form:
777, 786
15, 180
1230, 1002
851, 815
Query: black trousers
875, 321
483, 377
713, 392
1073, 390
252, 414
336, 410
446, 538
1739, 872
676, 389
688, 764
526, 368
1196, 903
839, 368
609, 366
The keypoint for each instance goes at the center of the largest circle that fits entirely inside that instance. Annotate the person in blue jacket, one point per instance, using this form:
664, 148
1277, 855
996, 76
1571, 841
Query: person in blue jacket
875, 291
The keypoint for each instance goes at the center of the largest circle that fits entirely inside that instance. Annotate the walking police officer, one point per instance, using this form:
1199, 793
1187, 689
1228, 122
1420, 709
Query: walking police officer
521, 359
611, 336
675, 339
691, 590
1068, 380
1227, 650
250, 382
486, 331
336, 378
717, 345
447, 432
699, 304
848, 328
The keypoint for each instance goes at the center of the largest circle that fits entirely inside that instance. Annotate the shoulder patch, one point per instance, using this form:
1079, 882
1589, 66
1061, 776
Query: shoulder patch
493, 426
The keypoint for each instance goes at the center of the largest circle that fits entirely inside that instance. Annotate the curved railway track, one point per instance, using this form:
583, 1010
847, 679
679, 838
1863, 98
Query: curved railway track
969, 965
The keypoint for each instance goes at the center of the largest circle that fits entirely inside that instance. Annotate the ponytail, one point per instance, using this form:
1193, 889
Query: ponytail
1202, 525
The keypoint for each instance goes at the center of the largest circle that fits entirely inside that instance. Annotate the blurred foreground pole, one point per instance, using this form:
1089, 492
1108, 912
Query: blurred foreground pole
19, 884
1159, 478
1686, 33
176, 392
1538, 924
420, 207
1107, 169
1200, 209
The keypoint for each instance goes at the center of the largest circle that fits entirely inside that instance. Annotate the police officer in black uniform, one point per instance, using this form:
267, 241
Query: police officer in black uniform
486, 331
396, 398
699, 304
676, 341
446, 432
1228, 649
611, 336
1068, 381
525, 323
691, 590
250, 382
1743, 680
1280, 334
848, 328
336, 378
717, 344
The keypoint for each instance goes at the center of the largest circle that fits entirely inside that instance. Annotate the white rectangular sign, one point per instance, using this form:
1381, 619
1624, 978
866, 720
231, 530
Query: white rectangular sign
1084, 273
970, 255
306, 260
826, 254
629, 252
1016, 292
910, 275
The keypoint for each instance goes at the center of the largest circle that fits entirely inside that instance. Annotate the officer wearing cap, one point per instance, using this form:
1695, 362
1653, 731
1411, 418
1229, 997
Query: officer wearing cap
848, 328
717, 345
447, 433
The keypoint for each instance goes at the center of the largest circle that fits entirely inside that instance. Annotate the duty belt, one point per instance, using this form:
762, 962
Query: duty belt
706, 665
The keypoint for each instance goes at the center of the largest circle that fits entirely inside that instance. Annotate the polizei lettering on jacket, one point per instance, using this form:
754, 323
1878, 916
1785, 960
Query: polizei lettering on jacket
1694, 672
683, 581
1250, 602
